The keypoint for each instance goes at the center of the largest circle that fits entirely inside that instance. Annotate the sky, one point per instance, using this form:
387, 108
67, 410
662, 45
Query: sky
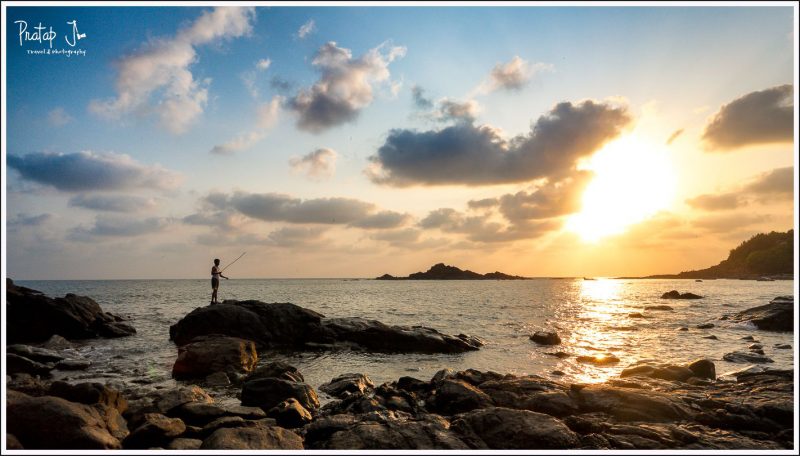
343, 141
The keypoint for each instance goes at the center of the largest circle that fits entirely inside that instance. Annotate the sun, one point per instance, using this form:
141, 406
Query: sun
634, 179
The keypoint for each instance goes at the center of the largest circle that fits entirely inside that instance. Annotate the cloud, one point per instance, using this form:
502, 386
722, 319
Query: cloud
226, 220
266, 116
486, 203
293, 236
86, 171
512, 76
382, 220
674, 136
275, 207
402, 237
420, 101
480, 228
774, 185
280, 84
58, 117
553, 199
306, 29
723, 223
25, 220
116, 226
112, 203
466, 154
464, 111
345, 86
263, 64
318, 164
765, 116
158, 80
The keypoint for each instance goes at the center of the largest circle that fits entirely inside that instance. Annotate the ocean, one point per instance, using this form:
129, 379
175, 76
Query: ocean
591, 317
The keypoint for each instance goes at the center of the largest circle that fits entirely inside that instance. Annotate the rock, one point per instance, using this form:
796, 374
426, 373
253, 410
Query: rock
705, 326
73, 364
28, 384
89, 393
206, 355
16, 364
347, 384
454, 396
683, 328
34, 317
41, 355
33, 419
154, 429
663, 371
442, 374
184, 444
12, 443
546, 338
167, 400
558, 354
711, 337
757, 351
253, 438
223, 422
376, 336
743, 357
755, 347
703, 368
636, 315
290, 414
778, 315
783, 347
629, 404
56, 342
381, 431
249, 413
750, 338
661, 308
218, 379
503, 428
197, 413
269, 392
599, 360
674, 294
277, 370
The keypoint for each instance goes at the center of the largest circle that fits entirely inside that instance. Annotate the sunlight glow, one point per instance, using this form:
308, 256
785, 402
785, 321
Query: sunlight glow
634, 179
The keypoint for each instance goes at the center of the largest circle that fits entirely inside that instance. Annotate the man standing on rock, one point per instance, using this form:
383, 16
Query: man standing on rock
215, 275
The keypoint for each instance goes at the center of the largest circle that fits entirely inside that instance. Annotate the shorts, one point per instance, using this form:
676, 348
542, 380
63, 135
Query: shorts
214, 283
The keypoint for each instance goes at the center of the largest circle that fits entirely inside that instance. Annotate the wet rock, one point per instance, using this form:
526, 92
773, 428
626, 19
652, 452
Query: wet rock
783, 347
661, 371
16, 364
750, 338
166, 400
33, 419
28, 384
683, 328
197, 413
154, 430
442, 374
205, 355
223, 422
559, 354
675, 294
744, 357
290, 414
382, 431
73, 364
41, 355
56, 342
218, 379
598, 360
277, 370
658, 308
778, 315
269, 392
412, 384
628, 404
703, 368
454, 396
249, 413
89, 393
347, 384
636, 315
184, 444
705, 326
755, 347
33, 317
503, 428
557, 373
711, 337
546, 338
253, 438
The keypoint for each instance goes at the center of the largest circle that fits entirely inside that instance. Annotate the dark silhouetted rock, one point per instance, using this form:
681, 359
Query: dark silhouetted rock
277, 369
33, 317
661, 308
783, 347
198, 413
184, 444
599, 360
217, 379
12, 443
546, 338
745, 357
290, 414
674, 294
778, 315
20, 365
89, 393
441, 271
503, 428
347, 384
454, 396
629, 404
269, 392
705, 326
73, 364
41, 355
703, 368
206, 355
153, 430
253, 438
56, 342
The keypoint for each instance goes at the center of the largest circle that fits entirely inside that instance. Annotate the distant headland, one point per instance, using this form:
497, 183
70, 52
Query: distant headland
441, 271
765, 256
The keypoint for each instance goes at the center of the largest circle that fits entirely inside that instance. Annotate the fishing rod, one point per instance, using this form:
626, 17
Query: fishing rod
234, 261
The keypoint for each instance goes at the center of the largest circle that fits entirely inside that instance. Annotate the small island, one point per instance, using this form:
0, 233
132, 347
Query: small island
441, 271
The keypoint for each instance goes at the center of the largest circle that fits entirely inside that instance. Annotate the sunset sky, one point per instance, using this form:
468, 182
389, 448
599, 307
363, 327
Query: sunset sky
357, 141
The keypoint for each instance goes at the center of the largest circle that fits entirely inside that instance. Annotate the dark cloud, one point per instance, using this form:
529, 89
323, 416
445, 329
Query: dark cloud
86, 171
119, 227
383, 220
453, 110
112, 203
485, 203
711, 202
775, 185
345, 87
553, 199
481, 229
274, 207
674, 136
226, 220
467, 154
420, 101
25, 220
765, 116
778, 182
280, 84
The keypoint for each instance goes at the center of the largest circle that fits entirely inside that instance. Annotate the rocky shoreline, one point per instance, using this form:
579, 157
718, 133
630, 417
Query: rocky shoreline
650, 405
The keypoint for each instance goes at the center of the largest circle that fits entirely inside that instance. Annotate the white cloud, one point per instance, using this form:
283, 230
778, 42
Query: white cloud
318, 164
263, 64
158, 81
306, 29
58, 117
514, 75
266, 117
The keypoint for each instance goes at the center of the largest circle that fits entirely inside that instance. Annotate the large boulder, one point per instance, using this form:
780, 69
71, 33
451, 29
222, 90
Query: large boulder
746, 357
154, 429
205, 355
504, 428
260, 437
16, 364
546, 338
454, 396
89, 393
703, 368
277, 369
33, 317
778, 315
290, 414
269, 392
347, 384
630, 404
54, 423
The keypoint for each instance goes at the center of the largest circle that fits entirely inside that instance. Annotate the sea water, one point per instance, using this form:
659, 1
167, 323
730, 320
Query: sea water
592, 317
